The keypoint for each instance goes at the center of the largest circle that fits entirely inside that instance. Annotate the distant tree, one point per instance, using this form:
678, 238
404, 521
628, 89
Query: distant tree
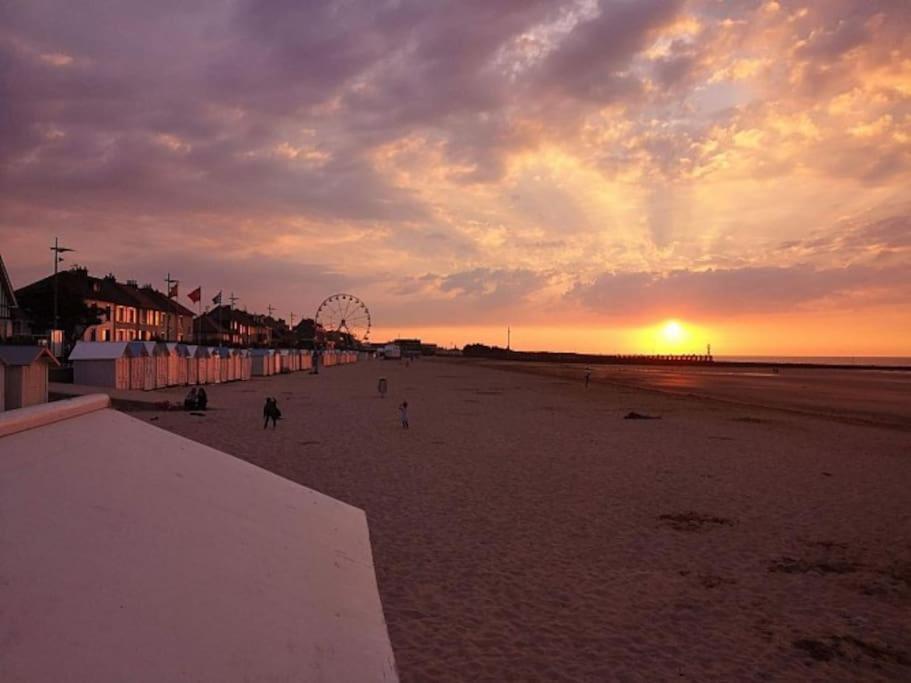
37, 304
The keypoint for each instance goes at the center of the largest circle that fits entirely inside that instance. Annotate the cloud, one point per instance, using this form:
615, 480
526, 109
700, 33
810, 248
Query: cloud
721, 293
506, 147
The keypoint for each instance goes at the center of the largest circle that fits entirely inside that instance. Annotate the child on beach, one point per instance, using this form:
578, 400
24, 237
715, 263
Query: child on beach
403, 413
271, 412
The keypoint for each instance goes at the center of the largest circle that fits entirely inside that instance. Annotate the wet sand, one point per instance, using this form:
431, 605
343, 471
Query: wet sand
864, 396
523, 530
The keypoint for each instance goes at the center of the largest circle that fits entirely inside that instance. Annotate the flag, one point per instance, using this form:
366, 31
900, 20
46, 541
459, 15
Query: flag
217, 299
195, 295
172, 294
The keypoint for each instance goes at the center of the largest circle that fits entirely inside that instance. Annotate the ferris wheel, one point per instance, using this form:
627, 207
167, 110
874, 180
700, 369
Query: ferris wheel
344, 313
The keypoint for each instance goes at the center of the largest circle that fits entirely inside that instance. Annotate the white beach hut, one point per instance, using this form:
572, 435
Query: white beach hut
159, 355
101, 364
142, 367
24, 378
192, 364
182, 354
214, 364
261, 362
237, 363
224, 363
246, 364
201, 359
140, 578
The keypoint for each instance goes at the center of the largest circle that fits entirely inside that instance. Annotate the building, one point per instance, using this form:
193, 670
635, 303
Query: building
139, 555
229, 326
23, 378
7, 303
103, 309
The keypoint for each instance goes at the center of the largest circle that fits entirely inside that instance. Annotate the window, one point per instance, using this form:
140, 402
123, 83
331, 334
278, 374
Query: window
105, 335
119, 335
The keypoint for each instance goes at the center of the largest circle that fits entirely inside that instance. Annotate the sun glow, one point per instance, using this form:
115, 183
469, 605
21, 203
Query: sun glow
673, 332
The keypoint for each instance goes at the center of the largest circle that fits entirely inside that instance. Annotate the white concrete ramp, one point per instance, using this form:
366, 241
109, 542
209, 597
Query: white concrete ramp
128, 553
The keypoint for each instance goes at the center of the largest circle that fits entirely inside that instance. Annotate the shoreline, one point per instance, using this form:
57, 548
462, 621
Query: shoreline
818, 392
594, 359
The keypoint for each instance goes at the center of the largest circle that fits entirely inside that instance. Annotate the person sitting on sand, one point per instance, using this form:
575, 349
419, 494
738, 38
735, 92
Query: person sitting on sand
403, 413
202, 398
271, 412
191, 402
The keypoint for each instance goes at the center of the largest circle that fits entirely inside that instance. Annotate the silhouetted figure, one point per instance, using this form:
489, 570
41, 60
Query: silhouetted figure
382, 387
202, 398
191, 402
403, 413
588, 377
271, 412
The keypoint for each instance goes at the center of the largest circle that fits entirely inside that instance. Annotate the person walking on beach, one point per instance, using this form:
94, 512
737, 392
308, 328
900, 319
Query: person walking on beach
382, 387
588, 376
403, 413
271, 412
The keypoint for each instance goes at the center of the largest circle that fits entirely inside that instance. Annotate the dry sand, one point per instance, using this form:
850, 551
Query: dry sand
523, 531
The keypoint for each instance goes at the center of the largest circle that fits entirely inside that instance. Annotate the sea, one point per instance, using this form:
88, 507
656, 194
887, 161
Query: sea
880, 361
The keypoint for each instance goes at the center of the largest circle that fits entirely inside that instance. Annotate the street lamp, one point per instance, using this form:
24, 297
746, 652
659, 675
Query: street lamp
57, 249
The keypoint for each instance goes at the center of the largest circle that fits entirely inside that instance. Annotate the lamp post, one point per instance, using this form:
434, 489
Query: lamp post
57, 249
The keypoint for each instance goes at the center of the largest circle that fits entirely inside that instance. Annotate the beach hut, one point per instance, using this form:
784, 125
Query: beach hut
201, 359
237, 364
284, 360
181, 354
246, 364
135, 574
24, 375
224, 363
214, 365
261, 362
306, 360
173, 364
142, 368
192, 365
101, 364
159, 355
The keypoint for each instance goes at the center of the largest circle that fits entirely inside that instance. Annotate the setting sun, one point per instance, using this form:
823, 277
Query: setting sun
673, 332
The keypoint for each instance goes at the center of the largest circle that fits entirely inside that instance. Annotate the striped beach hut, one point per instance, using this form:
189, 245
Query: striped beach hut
24, 375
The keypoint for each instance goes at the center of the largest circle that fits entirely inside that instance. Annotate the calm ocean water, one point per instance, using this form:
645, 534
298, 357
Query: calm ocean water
891, 361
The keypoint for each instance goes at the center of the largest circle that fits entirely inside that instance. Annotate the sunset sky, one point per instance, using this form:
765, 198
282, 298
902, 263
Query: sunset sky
582, 171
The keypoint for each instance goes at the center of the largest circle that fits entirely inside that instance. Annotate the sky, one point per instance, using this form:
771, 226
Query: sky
581, 171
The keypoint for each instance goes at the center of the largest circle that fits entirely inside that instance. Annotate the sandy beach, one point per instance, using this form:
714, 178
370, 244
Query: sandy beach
522, 530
